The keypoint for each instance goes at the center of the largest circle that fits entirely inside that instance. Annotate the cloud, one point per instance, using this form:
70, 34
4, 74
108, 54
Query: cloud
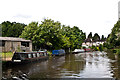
22, 16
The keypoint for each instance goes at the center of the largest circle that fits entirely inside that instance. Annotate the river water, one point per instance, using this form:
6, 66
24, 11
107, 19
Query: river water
82, 65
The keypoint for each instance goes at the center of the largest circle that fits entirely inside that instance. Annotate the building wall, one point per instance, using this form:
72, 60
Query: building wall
92, 43
7, 47
30, 45
14, 46
11, 46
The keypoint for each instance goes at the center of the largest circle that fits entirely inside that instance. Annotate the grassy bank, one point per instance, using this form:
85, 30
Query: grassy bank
6, 55
49, 53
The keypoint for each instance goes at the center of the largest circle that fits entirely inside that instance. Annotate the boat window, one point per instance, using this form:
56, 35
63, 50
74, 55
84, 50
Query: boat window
29, 56
2, 43
44, 54
38, 55
26, 44
23, 55
34, 55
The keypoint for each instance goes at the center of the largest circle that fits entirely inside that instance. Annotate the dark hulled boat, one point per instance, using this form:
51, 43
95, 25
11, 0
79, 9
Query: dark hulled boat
20, 57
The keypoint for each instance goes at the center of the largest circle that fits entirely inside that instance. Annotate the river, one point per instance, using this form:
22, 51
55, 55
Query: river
82, 65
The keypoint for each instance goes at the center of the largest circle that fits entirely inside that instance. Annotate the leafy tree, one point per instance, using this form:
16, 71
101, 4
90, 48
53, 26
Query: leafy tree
114, 37
29, 33
12, 29
49, 34
76, 36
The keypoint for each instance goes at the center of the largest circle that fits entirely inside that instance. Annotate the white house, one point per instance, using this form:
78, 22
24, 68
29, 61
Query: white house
89, 42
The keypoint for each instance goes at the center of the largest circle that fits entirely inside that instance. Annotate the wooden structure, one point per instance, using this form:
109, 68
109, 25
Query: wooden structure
11, 44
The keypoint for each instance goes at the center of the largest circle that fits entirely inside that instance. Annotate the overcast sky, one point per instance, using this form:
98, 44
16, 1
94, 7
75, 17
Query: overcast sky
96, 16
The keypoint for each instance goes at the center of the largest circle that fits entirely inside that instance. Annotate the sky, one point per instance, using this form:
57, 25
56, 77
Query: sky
96, 16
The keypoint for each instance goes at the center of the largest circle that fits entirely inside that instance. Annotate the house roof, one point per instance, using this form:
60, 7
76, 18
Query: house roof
13, 39
87, 40
90, 40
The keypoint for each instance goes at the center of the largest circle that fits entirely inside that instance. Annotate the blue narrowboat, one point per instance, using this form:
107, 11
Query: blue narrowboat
58, 52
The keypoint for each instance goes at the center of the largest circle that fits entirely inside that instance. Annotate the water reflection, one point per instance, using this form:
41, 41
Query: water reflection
82, 65
115, 64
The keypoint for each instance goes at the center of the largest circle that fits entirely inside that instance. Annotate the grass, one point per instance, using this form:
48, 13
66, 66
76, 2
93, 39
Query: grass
49, 52
7, 54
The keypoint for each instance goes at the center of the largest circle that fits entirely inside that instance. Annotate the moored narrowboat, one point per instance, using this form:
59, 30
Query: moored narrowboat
29, 56
78, 51
58, 52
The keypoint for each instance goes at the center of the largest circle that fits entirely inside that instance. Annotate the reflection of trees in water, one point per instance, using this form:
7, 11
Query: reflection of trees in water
115, 64
73, 64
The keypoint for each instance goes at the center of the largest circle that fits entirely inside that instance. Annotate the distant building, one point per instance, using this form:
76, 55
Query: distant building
89, 42
13, 44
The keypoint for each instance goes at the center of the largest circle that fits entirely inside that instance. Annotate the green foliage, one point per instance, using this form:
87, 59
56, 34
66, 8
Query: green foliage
90, 35
102, 38
117, 51
29, 33
75, 35
113, 39
96, 37
96, 49
6, 55
12, 29
47, 35
101, 47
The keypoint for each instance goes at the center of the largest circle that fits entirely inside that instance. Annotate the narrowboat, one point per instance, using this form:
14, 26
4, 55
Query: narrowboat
29, 56
78, 51
58, 52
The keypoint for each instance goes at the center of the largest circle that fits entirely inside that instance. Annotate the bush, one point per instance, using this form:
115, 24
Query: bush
118, 51
96, 49
101, 47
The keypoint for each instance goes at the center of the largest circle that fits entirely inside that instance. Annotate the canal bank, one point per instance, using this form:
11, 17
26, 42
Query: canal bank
82, 65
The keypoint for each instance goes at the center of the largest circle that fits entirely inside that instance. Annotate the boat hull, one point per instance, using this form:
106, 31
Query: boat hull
29, 57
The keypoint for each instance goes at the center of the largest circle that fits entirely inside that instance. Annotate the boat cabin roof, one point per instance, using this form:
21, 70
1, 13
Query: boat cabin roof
30, 52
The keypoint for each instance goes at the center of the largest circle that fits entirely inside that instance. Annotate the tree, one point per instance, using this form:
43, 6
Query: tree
90, 35
102, 38
29, 33
49, 34
12, 29
114, 37
96, 37
75, 35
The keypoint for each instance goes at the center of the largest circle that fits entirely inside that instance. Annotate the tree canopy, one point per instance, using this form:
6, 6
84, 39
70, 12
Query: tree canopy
96, 37
12, 29
52, 35
49, 34
90, 35
113, 39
